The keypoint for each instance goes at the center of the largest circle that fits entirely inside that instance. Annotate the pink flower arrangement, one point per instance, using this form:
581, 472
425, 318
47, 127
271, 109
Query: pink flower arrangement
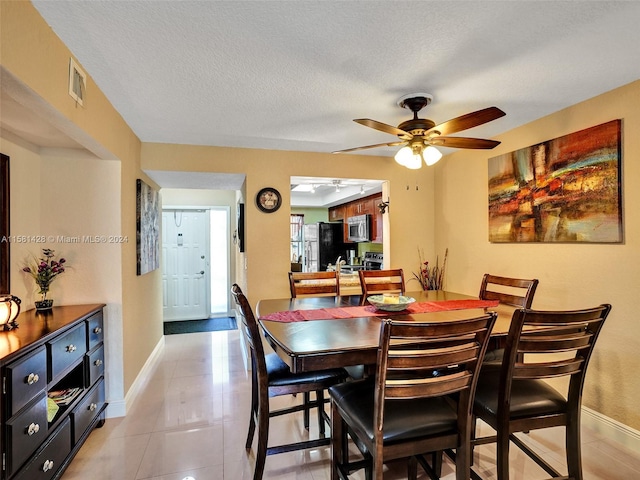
45, 270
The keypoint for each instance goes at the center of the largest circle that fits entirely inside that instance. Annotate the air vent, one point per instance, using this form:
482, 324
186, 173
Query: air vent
77, 82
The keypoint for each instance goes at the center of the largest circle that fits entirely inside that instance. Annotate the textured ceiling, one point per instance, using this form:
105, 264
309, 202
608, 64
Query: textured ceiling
293, 75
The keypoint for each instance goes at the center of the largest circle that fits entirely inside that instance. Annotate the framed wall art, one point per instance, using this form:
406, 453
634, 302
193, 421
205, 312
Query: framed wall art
147, 228
565, 190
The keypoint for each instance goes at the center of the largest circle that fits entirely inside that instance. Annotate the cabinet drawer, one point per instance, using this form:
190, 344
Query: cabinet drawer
87, 410
26, 379
48, 461
95, 331
96, 365
25, 432
67, 350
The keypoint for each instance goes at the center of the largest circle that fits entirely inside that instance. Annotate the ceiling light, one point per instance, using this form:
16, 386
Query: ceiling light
409, 157
412, 155
431, 155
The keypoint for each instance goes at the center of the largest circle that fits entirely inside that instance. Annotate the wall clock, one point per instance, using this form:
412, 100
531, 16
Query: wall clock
268, 200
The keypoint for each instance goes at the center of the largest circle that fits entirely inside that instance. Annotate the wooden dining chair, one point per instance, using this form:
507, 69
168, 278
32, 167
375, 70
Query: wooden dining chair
510, 291
374, 282
271, 377
516, 292
517, 398
406, 411
304, 284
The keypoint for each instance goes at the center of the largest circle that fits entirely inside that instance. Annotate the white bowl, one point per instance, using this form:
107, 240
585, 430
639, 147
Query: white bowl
378, 302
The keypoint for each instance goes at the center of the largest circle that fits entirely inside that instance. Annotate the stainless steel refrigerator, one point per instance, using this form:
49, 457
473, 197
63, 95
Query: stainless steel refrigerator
323, 244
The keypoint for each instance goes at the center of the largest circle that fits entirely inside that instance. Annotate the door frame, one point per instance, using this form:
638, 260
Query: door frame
230, 309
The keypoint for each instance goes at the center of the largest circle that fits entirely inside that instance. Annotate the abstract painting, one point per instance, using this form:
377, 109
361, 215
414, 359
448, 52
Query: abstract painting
563, 190
147, 228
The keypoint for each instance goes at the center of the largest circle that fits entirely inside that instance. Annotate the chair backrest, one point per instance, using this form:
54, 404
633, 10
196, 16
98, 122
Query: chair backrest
381, 281
251, 331
314, 284
422, 359
535, 334
511, 291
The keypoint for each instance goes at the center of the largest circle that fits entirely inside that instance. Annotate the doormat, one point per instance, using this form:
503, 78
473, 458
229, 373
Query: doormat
193, 326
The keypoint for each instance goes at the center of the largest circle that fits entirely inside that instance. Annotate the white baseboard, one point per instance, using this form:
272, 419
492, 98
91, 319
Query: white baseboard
246, 356
120, 408
611, 429
116, 409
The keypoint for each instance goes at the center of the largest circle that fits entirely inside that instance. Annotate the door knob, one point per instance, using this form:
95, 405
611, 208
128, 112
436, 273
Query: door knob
201, 272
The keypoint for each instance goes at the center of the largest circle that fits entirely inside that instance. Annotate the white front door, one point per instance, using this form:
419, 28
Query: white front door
185, 264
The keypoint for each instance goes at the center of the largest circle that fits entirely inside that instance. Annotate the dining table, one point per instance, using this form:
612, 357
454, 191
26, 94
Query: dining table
316, 333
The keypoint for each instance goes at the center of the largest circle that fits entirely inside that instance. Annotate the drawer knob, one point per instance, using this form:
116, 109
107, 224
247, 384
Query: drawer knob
97, 330
33, 429
48, 465
33, 378
71, 348
97, 363
92, 407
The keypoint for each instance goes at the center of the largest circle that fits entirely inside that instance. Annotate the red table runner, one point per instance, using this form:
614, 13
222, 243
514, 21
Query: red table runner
371, 311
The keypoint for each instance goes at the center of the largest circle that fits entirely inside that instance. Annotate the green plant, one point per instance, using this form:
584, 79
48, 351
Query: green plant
45, 270
431, 278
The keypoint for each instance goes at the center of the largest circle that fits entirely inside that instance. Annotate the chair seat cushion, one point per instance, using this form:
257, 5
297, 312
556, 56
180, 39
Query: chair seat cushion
493, 359
528, 397
279, 374
403, 419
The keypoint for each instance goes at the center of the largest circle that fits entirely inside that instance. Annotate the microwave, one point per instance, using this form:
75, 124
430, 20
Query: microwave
359, 228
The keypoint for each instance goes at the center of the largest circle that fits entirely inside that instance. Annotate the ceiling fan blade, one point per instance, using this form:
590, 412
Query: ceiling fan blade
463, 142
391, 144
383, 127
469, 120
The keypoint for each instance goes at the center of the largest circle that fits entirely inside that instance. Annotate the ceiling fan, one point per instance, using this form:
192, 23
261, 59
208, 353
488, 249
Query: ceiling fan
418, 135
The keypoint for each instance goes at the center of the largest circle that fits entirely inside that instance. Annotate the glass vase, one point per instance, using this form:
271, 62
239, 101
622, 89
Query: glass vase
44, 303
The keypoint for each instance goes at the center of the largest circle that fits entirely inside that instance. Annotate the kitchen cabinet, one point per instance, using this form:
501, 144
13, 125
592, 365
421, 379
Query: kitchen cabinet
336, 213
54, 354
359, 207
363, 206
376, 220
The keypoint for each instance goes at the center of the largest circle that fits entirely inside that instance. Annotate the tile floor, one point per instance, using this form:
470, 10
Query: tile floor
191, 421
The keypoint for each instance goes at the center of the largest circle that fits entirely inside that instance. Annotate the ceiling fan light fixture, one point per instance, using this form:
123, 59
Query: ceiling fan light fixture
403, 156
410, 157
431, 155
415, 162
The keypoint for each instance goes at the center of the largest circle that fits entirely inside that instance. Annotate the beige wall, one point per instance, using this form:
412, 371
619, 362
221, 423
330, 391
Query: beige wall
54, 205
571, 275
33, 56
267, 235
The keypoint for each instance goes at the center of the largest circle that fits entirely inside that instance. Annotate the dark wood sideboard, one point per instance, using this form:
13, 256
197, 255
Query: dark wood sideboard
60, 350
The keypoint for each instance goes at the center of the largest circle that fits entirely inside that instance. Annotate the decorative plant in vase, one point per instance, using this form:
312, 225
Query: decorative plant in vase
44, 271
431, 278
